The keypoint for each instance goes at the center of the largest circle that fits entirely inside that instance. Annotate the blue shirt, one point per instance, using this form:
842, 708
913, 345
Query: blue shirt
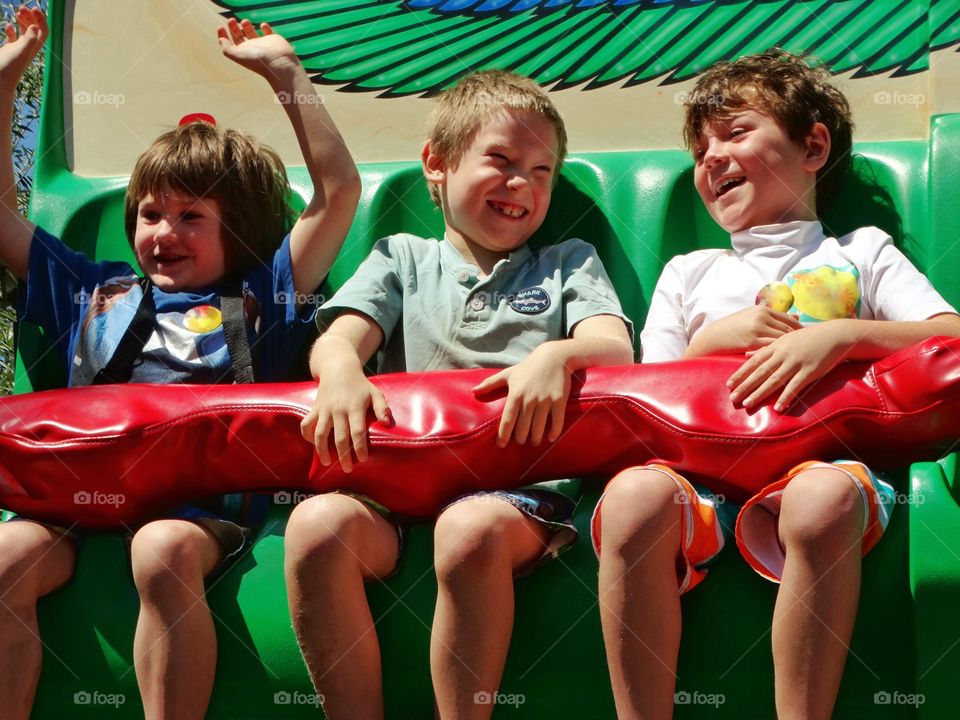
85, 307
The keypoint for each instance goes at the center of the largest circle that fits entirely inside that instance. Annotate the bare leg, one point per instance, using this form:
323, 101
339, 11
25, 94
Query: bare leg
175, 645
335, 543
34, 561
480, 544
821, 520
639, 594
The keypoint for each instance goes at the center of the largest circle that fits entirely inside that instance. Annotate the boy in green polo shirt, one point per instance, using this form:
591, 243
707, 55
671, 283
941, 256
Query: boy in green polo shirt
478, 298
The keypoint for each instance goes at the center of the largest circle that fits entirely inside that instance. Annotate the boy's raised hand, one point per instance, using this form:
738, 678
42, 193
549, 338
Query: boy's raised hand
789, 364
319, 232
537, 393
23, 42
265, 53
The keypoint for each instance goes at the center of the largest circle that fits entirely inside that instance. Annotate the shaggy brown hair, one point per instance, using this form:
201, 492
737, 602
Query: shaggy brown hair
206, 161
785, 87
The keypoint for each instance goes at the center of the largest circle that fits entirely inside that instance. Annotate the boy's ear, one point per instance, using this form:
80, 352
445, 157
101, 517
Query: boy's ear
817, 145
434, 169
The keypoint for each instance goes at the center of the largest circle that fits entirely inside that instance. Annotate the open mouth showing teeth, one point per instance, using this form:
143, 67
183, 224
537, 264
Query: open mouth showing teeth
169, 259
513, 211
727, 184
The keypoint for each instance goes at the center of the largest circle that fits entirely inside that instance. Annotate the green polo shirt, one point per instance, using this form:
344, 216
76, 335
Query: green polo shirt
438, 313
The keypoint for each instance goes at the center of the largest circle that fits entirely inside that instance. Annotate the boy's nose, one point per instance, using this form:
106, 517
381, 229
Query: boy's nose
517, 180
713, 153
164, 229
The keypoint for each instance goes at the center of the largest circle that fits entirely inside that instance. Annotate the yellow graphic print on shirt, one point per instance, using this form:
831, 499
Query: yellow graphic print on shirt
825, 293
202, 319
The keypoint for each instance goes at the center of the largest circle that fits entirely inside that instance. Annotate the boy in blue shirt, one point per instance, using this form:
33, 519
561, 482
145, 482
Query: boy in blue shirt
771, 142
205, 210
478, 298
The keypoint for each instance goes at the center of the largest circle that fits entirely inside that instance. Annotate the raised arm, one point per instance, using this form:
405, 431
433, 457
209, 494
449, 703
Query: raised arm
21, 46
344, 395
320, 231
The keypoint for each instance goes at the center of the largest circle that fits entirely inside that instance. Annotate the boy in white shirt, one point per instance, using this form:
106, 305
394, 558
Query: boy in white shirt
771, 140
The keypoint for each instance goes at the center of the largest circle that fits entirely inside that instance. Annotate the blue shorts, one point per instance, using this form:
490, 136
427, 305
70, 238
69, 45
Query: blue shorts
552, 510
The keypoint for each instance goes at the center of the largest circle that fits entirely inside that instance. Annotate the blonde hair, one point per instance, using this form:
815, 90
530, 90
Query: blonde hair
205, 161
785, 87
459, 111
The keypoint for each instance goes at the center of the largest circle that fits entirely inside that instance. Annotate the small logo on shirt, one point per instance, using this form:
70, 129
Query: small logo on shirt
202, 319
531, 301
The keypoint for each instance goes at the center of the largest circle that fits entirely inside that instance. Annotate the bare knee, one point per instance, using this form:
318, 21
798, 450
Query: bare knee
34, 561
336, 531
473, 536
821, 509
168, 556
641, 512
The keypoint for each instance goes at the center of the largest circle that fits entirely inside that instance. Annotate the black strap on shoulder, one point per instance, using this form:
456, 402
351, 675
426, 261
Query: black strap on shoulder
235, 332
120, 367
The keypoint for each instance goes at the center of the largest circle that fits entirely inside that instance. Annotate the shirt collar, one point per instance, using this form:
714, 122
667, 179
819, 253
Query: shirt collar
454, 262
794, 234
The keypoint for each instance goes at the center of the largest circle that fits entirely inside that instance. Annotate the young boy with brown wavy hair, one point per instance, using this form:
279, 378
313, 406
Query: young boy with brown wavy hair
206, 211
771, 141
478, 298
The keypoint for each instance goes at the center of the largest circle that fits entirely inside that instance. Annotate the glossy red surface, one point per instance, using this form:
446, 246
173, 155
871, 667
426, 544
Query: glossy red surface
107, 455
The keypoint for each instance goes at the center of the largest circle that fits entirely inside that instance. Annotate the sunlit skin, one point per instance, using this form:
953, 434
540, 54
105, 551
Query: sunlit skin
497, 193
749, 172
178, 240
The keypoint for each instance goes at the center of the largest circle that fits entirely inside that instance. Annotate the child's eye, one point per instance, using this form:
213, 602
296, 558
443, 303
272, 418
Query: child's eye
497, 156
737, 132
150, 215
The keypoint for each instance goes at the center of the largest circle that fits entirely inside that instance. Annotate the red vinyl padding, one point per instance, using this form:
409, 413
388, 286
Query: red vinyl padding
106, 456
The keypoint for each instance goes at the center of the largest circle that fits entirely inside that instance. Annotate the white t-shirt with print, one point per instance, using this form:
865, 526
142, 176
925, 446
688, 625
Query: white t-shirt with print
859, 275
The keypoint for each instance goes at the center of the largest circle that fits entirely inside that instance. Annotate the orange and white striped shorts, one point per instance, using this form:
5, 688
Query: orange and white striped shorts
756, 531
702, 531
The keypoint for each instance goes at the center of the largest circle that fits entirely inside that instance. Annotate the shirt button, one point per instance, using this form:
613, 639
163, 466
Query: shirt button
477, 303
463, 275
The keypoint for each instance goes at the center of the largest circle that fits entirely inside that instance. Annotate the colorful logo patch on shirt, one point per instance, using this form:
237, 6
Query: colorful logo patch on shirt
202, 319
825, 293
531, 301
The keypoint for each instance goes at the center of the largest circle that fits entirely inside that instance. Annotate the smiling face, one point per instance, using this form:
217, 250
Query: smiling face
749, 172
497, 193
178, 240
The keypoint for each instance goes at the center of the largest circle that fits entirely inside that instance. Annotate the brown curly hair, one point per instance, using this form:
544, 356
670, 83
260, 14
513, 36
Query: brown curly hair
205, 161
787, 88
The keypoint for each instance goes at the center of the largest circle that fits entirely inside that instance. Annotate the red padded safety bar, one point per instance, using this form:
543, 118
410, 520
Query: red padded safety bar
108, 455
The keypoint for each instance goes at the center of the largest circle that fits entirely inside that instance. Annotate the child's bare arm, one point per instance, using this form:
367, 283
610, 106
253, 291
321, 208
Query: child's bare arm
539, 386
21, 46
319, 232
799, 358
748, 329
344, 394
